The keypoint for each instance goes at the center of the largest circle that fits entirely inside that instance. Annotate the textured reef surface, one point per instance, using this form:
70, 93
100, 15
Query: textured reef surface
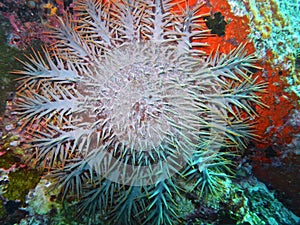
150, 112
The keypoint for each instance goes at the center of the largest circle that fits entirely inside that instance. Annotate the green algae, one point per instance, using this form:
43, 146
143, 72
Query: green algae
41, 200
8, 160
20, 182
10, 155
250, 202
3, 212
246, 202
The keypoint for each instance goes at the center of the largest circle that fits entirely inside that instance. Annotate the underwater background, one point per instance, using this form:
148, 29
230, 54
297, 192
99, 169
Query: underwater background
262, 184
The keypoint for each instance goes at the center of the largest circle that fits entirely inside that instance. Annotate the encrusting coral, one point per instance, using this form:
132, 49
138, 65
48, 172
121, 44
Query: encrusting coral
124, 104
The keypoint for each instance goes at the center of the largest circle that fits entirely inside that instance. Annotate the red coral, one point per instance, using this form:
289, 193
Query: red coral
272, 125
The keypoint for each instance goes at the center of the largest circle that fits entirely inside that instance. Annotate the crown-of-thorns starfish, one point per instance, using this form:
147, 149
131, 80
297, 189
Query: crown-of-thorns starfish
125, 95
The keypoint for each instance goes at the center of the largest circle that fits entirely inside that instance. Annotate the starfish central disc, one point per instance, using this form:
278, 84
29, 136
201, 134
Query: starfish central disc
138, 120
145, 103
143, 98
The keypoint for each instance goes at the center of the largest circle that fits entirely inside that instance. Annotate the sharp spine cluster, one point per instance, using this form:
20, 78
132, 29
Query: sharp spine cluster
124, 103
